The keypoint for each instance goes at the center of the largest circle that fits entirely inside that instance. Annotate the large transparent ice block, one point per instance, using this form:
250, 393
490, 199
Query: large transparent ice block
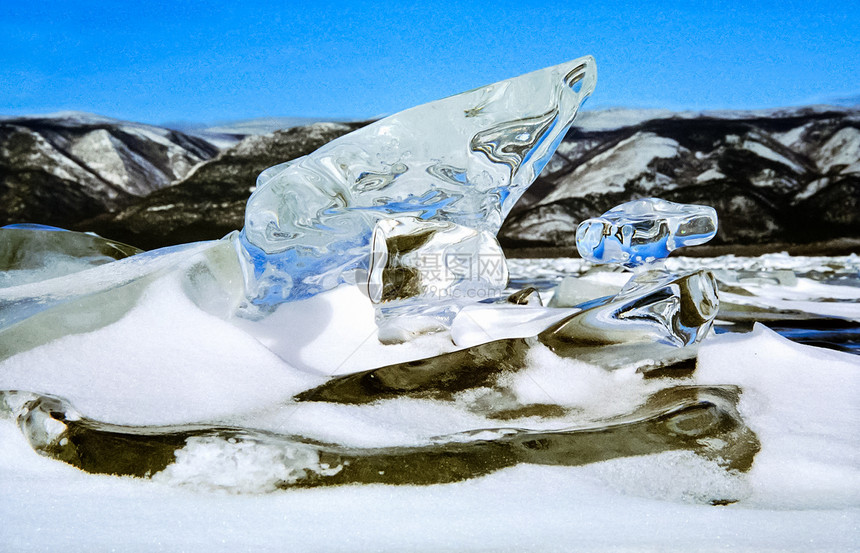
465, 159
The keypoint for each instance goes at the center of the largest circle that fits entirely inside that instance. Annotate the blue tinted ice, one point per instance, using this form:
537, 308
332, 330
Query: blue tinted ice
643, 231
465, 159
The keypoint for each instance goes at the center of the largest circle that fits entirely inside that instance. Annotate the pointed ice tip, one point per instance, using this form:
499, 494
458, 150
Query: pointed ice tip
582, 78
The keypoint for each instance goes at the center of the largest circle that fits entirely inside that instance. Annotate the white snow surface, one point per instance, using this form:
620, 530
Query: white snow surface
167, 361
131, 371
710, 174
802, 494
334, 333
49, 506
802, 402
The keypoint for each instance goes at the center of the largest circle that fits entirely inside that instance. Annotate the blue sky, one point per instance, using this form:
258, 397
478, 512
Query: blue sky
211, 61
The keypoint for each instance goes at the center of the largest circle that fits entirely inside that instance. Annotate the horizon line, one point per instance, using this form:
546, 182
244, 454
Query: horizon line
847, 103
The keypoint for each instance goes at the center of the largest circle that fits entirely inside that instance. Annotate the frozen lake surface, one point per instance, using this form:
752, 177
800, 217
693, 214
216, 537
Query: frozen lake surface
168, 361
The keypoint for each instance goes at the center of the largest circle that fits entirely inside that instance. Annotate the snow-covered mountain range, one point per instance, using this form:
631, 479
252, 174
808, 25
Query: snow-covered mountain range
61, 168
775, 176
210, 201
789, 175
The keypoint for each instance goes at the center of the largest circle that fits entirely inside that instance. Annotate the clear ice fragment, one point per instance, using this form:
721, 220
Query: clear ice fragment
465, 159
572, 291
481, 322
654, 306
426, 270
32, 253
527, 296
644, 231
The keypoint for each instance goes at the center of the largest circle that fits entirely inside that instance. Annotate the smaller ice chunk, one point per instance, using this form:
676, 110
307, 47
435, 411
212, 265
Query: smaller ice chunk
422, 272
34, 253
654, 306
644, 231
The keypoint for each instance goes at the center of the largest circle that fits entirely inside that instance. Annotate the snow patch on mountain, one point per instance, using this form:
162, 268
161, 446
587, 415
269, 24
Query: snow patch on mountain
761, 150
111, 160
843, 148
32, 152
710, 174
794, 137
609, 171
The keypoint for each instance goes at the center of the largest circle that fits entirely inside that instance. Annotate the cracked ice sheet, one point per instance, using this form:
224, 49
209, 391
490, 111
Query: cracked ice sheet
553, 267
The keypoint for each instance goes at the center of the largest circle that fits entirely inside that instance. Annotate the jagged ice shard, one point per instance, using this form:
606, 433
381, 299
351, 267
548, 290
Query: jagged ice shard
465, 159
643, 231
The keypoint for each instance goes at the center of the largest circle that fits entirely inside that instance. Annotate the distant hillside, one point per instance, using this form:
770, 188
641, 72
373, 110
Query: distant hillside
229, 133
61, 168
774, 176
210, 201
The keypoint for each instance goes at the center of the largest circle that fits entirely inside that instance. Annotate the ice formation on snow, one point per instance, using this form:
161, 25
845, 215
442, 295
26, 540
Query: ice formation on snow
465, 159
642, 231
412, 203
654, 306
421, 272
